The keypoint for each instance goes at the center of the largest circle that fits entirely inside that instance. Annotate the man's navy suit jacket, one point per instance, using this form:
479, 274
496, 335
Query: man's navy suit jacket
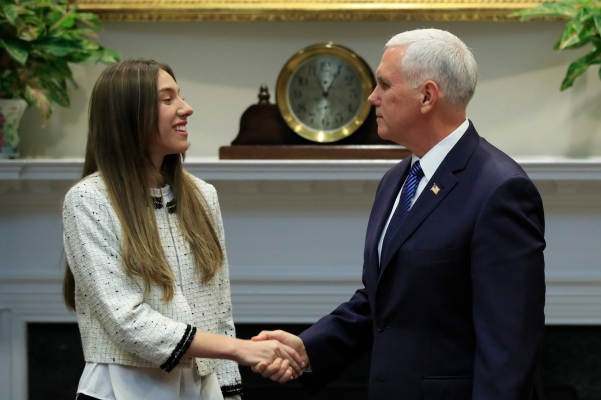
455, 309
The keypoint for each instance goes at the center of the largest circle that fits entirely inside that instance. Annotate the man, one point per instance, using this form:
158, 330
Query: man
453, 299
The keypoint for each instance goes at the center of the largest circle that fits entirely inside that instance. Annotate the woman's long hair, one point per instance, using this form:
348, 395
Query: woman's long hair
123, 119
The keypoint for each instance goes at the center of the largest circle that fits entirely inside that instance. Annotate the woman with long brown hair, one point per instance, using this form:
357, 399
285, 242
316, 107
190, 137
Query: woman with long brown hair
147, 269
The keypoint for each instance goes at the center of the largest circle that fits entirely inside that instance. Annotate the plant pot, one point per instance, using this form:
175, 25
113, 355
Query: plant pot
11, 111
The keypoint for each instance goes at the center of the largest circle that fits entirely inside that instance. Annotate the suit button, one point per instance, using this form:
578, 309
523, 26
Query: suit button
381, 326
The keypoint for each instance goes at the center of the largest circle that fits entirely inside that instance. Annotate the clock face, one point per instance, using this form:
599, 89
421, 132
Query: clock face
325, 93
322, 92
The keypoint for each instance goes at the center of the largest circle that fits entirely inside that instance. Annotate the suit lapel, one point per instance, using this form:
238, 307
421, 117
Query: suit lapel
390, 198
424, 205
445, 180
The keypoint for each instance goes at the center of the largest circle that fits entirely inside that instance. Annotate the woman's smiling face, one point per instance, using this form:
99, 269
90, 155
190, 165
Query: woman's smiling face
172, 137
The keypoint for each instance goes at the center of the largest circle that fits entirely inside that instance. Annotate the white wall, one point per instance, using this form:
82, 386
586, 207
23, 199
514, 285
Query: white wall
220, 65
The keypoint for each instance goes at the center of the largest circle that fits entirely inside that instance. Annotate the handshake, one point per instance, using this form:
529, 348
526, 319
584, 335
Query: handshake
282, 354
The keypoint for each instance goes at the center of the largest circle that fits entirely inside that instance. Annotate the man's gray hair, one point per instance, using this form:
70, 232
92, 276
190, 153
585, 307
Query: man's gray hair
442, 57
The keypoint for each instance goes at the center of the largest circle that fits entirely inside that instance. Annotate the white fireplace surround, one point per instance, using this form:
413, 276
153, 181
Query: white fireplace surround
294, 233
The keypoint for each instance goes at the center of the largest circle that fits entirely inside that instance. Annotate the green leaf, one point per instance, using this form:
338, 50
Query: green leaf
574, 35
17, 50
595, 57
90, 20
30, 31
576, 69
586, 13
12, 12
56, 46
89, 45
101, 55
65, 22
57, 89
38, 98
48, 69
87, 57
52, 16
571, 34
110, 57
586, 36
597, 19
62, 98
579, 67
10, 85
546, 10
74, 34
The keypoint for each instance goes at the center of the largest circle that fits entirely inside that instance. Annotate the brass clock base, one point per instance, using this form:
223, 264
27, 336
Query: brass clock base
314, 152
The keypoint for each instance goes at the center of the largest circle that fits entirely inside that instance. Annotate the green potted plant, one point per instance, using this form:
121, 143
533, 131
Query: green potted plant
39, 39
583, 27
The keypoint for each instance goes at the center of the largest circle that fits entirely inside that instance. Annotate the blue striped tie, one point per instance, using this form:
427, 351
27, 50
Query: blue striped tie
411, 183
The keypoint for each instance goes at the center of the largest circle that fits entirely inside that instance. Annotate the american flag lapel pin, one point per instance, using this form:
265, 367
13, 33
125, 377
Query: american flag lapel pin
435, 189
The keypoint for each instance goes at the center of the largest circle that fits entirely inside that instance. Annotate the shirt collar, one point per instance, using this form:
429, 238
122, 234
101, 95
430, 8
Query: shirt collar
160, 192
432, 159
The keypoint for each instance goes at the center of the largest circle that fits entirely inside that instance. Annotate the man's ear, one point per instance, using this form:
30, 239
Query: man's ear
430, 96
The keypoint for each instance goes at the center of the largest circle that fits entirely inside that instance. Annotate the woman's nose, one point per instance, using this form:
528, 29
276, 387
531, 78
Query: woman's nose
186, 109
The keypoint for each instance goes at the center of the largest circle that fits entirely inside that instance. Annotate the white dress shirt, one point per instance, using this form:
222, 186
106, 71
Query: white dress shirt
429, 163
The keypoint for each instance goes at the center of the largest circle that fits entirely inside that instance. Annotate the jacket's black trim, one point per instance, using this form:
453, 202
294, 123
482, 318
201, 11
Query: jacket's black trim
180, 349
171, 205
231, 390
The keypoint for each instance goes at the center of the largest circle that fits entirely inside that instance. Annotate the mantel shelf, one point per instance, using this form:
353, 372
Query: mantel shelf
212, 169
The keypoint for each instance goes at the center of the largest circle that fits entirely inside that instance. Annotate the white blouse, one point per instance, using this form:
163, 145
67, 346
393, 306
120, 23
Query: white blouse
123, 382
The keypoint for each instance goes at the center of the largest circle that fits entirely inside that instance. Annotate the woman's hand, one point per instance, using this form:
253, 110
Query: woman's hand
279, 356
283, 361
274, 371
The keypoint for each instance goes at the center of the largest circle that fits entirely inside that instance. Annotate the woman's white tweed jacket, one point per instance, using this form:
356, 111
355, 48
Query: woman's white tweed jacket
118, 324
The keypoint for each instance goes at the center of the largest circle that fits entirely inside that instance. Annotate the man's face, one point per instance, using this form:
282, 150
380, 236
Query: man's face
397, 104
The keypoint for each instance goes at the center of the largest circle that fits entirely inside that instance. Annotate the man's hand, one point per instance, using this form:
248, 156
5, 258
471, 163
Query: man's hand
282, 359
275, 370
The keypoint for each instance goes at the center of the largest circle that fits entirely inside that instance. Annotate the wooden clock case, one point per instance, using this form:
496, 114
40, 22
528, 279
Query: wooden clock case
265, 135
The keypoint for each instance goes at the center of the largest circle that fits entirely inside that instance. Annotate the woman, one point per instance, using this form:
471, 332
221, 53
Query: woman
148, 273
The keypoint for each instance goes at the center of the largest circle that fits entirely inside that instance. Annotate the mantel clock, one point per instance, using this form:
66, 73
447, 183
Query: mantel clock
321, 112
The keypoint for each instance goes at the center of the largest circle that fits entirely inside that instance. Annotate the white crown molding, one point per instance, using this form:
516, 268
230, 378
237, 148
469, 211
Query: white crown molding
538, 168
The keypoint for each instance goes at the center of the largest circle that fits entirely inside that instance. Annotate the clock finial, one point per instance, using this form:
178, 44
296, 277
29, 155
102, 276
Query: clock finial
263, 94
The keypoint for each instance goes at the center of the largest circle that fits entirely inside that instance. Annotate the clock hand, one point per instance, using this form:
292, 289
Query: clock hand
321, 80
336, 75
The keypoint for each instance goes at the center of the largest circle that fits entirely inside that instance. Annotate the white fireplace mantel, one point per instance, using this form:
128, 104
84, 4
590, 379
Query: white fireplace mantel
315, 212
538, 168
294, 234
